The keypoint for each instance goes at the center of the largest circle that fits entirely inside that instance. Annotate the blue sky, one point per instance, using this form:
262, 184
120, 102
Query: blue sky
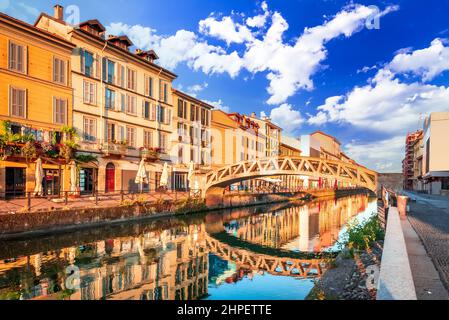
309, 64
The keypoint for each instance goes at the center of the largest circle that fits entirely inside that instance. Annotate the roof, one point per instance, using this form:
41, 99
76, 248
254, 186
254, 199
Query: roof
94, 22
122, 38
188, 97
327, 135
37, 31
127, 52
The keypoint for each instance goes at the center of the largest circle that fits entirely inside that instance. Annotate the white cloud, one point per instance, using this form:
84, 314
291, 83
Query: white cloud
260, 20
426, 63
383, 156
225, 29
196, 88
218, 104
289, 67
19, 10
286, 117
389, 105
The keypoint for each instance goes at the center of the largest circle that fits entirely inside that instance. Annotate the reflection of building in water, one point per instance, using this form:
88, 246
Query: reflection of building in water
167, 265
310, 228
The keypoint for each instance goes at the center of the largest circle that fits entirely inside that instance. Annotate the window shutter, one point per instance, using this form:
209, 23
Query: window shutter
82, 61
168, 117
151, 87
147, 85
25, 60
11, 56
97, 66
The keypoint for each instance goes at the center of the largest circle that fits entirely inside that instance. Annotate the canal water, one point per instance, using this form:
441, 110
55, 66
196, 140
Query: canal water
268, 252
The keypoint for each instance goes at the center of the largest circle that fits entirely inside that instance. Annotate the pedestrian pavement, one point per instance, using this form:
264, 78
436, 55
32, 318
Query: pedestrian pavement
429, 217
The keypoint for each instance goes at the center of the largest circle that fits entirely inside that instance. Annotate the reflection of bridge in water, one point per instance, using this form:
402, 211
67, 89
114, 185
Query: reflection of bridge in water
274, 265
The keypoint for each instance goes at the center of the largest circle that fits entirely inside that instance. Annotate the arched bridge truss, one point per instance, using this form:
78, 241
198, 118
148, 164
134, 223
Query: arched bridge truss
303, 166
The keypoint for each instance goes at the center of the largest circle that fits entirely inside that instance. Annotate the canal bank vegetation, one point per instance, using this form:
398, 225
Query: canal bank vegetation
347, 277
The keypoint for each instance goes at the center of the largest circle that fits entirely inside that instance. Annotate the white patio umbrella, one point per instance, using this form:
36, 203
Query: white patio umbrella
141, 176
164, 176
39, 175
73, 177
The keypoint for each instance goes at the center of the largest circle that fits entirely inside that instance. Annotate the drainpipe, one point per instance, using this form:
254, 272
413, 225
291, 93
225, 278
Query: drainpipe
102, 93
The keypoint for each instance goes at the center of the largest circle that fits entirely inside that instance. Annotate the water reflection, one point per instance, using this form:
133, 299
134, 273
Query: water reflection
253, 253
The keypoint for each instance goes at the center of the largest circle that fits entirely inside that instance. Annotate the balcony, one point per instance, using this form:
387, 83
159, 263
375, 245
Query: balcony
150, 154
114, 149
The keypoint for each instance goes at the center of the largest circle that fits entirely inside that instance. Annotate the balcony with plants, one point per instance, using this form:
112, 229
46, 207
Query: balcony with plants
19, 144
151, 154
115, 148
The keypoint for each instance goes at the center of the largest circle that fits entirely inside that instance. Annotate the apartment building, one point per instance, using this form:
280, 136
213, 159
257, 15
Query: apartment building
330, 147
290, 147
272, 134
409, 161
435, 173
192, 143
35, 106
123, 105
235, 138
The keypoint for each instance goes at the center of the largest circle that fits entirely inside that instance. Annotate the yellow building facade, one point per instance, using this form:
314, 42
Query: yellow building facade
123, 106
35, 105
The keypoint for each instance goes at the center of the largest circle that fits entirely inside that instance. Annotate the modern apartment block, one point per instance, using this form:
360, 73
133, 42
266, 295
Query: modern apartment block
35, 106
123, 105
435, 171
409, 160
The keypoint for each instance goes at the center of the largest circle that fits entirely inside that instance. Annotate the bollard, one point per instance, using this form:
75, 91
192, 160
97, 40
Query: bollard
402, 202
29, 201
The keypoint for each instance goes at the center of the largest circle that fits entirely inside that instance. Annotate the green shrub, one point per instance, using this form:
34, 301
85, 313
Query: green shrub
361, 235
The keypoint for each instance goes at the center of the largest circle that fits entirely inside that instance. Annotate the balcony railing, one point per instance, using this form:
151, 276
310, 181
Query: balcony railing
111, 148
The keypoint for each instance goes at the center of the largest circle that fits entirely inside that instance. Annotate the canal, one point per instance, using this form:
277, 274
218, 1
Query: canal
268, 252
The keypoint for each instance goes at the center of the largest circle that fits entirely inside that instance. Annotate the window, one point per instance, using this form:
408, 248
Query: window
203, 117
87, 63
148, 86
192, 112
111, 132
180, 154
17, 102
90, 92
181, 108
163, 91
59, 71
132, 75
60, 111
17, 57
110, 99
131, 105
90, 129
160, 114
146, 110
148, 139
131, 136
108, 71
123, 102
163, 142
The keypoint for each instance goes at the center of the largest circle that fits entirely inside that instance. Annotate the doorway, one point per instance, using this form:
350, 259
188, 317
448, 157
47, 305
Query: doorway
52, 182
15, 183
110, 177
87, 180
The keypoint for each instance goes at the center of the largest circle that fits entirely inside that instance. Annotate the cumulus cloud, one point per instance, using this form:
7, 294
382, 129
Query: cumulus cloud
219, 104
196, 88
426, 63
260, 20
289, 67
383, 156
389, 105
225, 29
286, 117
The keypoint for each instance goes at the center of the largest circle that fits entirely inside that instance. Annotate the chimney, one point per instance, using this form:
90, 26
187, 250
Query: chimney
253, 115
59, 12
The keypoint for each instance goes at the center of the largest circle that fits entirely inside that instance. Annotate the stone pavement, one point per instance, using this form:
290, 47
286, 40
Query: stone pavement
429, 216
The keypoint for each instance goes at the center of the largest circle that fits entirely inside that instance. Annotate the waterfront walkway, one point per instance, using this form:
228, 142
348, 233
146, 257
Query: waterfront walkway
429, 217
112, 200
